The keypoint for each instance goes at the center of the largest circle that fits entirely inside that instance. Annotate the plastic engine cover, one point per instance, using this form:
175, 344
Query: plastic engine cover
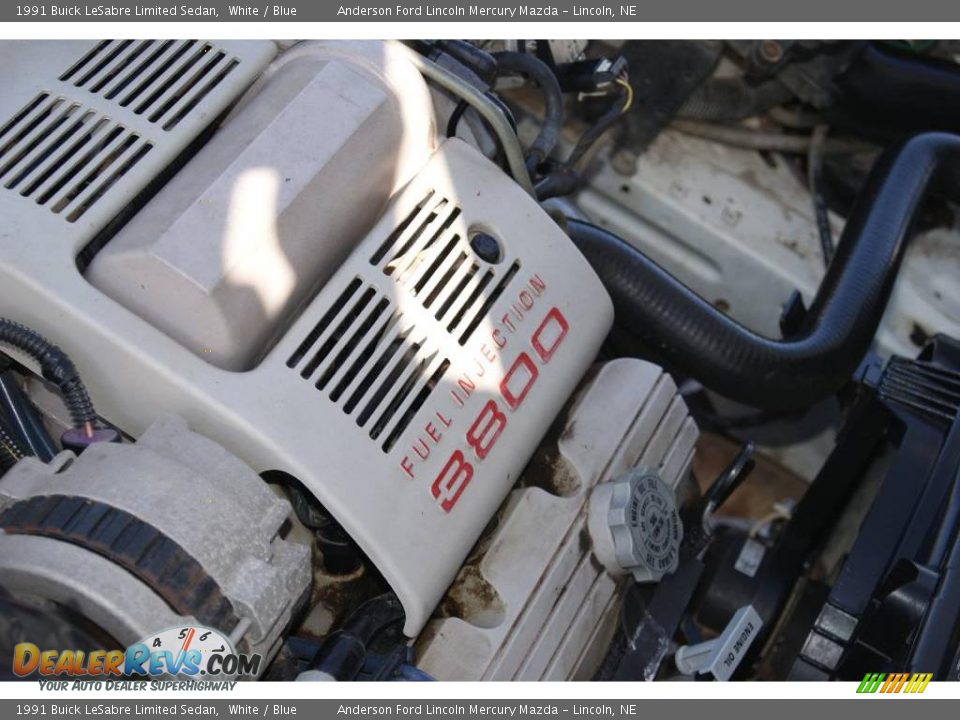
407, 395
442, 365
264, 214
533, 602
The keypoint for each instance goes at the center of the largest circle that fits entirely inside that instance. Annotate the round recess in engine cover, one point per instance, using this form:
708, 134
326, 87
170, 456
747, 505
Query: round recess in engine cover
139, 538
635, 526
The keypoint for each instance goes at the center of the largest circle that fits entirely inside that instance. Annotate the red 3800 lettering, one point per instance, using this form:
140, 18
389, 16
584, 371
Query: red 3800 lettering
491, 421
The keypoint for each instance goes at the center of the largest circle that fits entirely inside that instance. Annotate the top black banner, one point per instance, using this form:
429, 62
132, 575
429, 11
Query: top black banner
482, 11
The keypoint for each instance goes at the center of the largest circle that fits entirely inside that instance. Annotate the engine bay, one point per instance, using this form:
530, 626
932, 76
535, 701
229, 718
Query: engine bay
500, 360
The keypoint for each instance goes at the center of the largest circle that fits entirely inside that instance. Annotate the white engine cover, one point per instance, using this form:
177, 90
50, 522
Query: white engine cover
408, 394
534, 602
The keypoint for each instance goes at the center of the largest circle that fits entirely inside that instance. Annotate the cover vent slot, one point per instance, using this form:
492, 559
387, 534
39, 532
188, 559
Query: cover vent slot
371, 362
432, 260
64, 156
163, 80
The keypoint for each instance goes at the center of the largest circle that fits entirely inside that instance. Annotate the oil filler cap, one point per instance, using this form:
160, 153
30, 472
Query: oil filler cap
635, 527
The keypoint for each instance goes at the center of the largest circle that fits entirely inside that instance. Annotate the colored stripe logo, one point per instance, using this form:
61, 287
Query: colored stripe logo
894, 682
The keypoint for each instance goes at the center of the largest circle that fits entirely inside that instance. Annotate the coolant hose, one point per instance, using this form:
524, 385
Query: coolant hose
56, 367
690, 334
539, 72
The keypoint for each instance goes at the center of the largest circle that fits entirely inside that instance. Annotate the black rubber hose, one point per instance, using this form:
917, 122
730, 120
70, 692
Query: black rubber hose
731, 99
539, 72
564, 179
56, 367
690, 334
557, 183
23, 418
374, 616
906, 93
477, 59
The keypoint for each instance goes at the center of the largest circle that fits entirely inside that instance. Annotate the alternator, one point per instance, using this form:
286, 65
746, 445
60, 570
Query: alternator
137, 538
